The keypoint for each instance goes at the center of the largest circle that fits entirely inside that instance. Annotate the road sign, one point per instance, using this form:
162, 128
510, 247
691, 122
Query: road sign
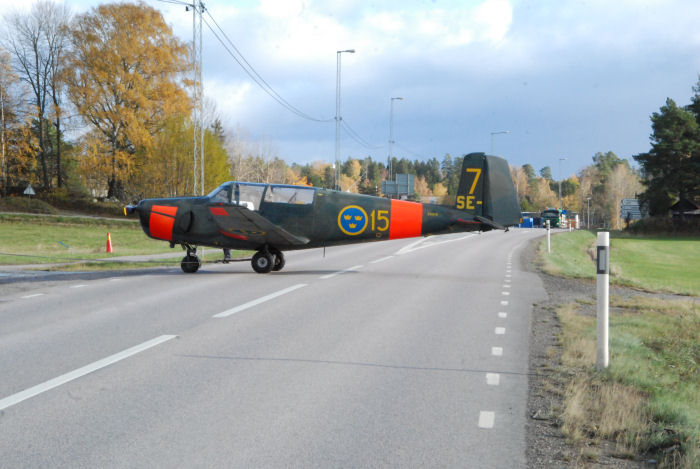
631, 207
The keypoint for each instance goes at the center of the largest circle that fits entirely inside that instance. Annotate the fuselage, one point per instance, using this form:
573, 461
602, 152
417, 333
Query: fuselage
242, 215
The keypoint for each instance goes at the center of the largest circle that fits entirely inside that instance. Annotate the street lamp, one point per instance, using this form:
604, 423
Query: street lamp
391, 134
588, 223
560, 160
337, 117
496, 133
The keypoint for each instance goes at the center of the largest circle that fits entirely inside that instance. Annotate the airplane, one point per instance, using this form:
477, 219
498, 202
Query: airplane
273, 218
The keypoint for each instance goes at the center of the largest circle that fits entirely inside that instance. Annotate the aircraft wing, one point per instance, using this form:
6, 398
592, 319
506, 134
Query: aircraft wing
239, 222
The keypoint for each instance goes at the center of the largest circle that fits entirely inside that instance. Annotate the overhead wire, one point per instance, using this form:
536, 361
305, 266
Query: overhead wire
254, 75
263, 84
355, 136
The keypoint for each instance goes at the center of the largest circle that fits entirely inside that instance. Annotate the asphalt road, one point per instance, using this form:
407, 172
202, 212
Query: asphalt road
409, 353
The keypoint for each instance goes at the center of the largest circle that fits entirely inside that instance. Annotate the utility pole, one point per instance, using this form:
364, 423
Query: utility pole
197, 8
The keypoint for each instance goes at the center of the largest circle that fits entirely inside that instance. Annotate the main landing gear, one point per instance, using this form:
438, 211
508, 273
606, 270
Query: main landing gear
268, 259
191, 262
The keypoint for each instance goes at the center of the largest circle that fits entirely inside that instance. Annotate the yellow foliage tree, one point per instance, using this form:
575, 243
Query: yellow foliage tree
125, 77
17, 143
167, 169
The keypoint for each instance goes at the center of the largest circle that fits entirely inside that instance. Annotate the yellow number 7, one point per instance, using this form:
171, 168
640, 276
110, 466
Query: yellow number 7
476, 178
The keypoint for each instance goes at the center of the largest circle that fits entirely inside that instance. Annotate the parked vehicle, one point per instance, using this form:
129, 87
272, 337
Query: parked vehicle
555, 217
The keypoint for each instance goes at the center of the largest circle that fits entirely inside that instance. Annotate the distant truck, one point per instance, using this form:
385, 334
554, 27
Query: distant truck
555, 217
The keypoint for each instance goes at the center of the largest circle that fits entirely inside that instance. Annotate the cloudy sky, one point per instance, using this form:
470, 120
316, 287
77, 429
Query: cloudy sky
567, 79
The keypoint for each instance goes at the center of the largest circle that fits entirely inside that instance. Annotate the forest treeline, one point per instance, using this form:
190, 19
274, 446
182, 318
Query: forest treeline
98, 105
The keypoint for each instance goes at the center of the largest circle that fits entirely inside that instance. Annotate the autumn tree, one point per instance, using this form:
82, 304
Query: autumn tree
521, 183
37, 41
622, 183
125, 78
167, 169
17, 145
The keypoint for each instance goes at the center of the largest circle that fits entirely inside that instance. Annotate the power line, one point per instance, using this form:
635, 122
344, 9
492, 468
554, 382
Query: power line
254, 75
355, 136
410, 152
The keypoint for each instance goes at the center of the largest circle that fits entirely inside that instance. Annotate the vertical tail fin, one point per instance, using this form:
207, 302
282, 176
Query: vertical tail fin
470, 192
486, 192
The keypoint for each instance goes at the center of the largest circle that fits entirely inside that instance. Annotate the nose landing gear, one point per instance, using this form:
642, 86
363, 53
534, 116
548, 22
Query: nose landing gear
191, 262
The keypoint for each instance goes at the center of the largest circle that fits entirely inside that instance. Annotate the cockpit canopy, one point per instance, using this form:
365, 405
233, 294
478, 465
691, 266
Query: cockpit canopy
252, 194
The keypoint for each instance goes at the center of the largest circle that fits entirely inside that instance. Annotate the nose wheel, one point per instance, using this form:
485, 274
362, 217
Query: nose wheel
191, 262
268, 259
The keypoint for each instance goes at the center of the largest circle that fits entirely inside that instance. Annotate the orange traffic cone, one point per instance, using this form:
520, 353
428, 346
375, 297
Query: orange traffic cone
109, 243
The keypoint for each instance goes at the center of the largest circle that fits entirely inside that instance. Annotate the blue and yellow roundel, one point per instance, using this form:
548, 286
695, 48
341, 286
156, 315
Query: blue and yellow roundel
352, 220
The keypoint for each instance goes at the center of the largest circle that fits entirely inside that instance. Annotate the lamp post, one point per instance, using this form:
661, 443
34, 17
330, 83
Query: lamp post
337, 117
391, 134
560, 160
588, 223
496, 133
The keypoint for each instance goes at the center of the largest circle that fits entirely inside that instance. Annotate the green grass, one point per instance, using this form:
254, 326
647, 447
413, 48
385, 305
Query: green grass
657, 264
569, 254
28, 239
664, 264
36, 239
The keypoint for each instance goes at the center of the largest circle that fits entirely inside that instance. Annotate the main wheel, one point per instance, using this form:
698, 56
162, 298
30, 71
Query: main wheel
190, 264
278, 261
262, 262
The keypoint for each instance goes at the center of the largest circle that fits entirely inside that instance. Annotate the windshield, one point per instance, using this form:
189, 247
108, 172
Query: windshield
247, 194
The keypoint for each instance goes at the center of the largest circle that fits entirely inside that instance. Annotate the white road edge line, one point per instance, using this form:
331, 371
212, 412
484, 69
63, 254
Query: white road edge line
80, 372
340, 272
32, 296
418, 244
376, 261
260, 300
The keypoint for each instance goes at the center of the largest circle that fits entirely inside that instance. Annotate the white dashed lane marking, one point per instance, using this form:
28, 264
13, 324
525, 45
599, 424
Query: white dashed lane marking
493, 379
486, 419
80, 372
497, 351
258, 301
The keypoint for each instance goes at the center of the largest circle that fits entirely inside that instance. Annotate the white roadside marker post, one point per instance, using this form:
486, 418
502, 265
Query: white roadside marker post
602, 293
549, 248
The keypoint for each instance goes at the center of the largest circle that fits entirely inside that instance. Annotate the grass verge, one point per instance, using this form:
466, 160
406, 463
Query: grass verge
658, 264
648, 401
79, 243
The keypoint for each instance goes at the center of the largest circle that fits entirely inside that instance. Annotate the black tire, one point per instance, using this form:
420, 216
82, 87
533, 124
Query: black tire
278, 261
190, 264
262, 262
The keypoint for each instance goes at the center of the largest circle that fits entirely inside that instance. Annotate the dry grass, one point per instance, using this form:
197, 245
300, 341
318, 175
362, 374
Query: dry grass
644, 403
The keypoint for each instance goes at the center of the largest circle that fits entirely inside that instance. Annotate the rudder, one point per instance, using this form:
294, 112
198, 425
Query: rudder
486, 191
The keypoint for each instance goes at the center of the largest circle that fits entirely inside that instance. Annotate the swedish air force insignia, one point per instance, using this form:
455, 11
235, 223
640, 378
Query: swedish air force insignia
352, 220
